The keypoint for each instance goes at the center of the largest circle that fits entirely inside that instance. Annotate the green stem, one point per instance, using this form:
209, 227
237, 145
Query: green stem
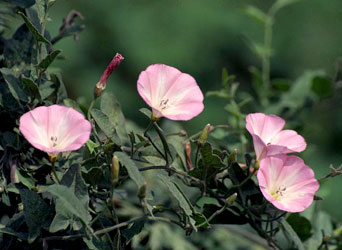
54, 172
109, 229
213, 216
90, 108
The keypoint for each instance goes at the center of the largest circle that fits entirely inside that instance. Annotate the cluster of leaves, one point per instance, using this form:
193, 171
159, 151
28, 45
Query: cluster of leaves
129, 186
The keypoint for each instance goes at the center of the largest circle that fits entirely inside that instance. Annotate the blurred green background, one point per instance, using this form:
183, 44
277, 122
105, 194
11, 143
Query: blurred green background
201, 37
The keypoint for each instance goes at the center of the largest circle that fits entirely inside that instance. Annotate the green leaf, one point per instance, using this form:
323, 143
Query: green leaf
132, 169
20, 48
72, 180
46, 89
176, 193
207, 200
292, 234
61, 90
36, 213
31, 87
209, 158
73, 104
45, 63
112, 108
14, 85
25, 179
39, 37
91, 146
146, 112
103, 122
135, 229
322, 86
255, 13
300, 225
21, 3
69, 202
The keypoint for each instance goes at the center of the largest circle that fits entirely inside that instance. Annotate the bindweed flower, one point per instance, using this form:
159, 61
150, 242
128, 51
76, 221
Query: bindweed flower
170, 93
269, 138
287, 182
101, 84
55, 128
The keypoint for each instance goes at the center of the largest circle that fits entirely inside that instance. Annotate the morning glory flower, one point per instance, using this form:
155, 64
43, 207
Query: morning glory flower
170, 93
287, 182
269, 138
55, 128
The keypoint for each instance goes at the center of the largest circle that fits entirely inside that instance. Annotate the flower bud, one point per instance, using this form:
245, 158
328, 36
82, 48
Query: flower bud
204, 136
188, 155
13, 174
114, 170
231, 199
142, 191
101, 84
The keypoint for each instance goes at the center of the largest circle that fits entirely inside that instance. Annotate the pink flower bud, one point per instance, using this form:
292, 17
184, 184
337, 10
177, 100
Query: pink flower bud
101, 85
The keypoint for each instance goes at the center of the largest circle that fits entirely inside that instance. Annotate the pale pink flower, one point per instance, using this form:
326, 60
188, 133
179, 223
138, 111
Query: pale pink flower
101, 84
269, 138
287, 182
170, 93
55, 128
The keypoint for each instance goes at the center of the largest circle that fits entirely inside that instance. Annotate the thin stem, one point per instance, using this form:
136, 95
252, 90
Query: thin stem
164, 142
213, 216
173, 170
245, 180
109, 229
90, 108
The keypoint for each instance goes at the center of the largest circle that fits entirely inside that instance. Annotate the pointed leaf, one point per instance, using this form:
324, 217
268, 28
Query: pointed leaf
132, 169
45, 63
39, 37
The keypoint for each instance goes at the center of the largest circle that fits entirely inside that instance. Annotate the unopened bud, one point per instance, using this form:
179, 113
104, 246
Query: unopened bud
13, 174
182, 133
101, 84
188, 155
114, 170
204, 136
231, 199
142, 191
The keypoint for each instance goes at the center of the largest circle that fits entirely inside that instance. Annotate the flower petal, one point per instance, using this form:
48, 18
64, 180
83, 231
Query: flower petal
170, 93
287, 182
289, 139
264, 126
55, 128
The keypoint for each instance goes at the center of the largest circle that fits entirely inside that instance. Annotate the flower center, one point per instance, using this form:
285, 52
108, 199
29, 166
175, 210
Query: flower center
163, 104
53, 140
278, 193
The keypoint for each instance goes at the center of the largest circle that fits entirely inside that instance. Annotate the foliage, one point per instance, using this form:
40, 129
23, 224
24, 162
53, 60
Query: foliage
161, 192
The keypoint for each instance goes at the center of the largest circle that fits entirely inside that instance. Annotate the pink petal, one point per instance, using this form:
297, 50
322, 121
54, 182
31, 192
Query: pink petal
264, 126
170, 93
290, 174
64, 126
259, 147
289, 139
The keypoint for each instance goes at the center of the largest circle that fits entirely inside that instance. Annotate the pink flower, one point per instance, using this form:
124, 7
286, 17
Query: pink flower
269, 138
55, 128
287, 182
101, 85
170, 93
